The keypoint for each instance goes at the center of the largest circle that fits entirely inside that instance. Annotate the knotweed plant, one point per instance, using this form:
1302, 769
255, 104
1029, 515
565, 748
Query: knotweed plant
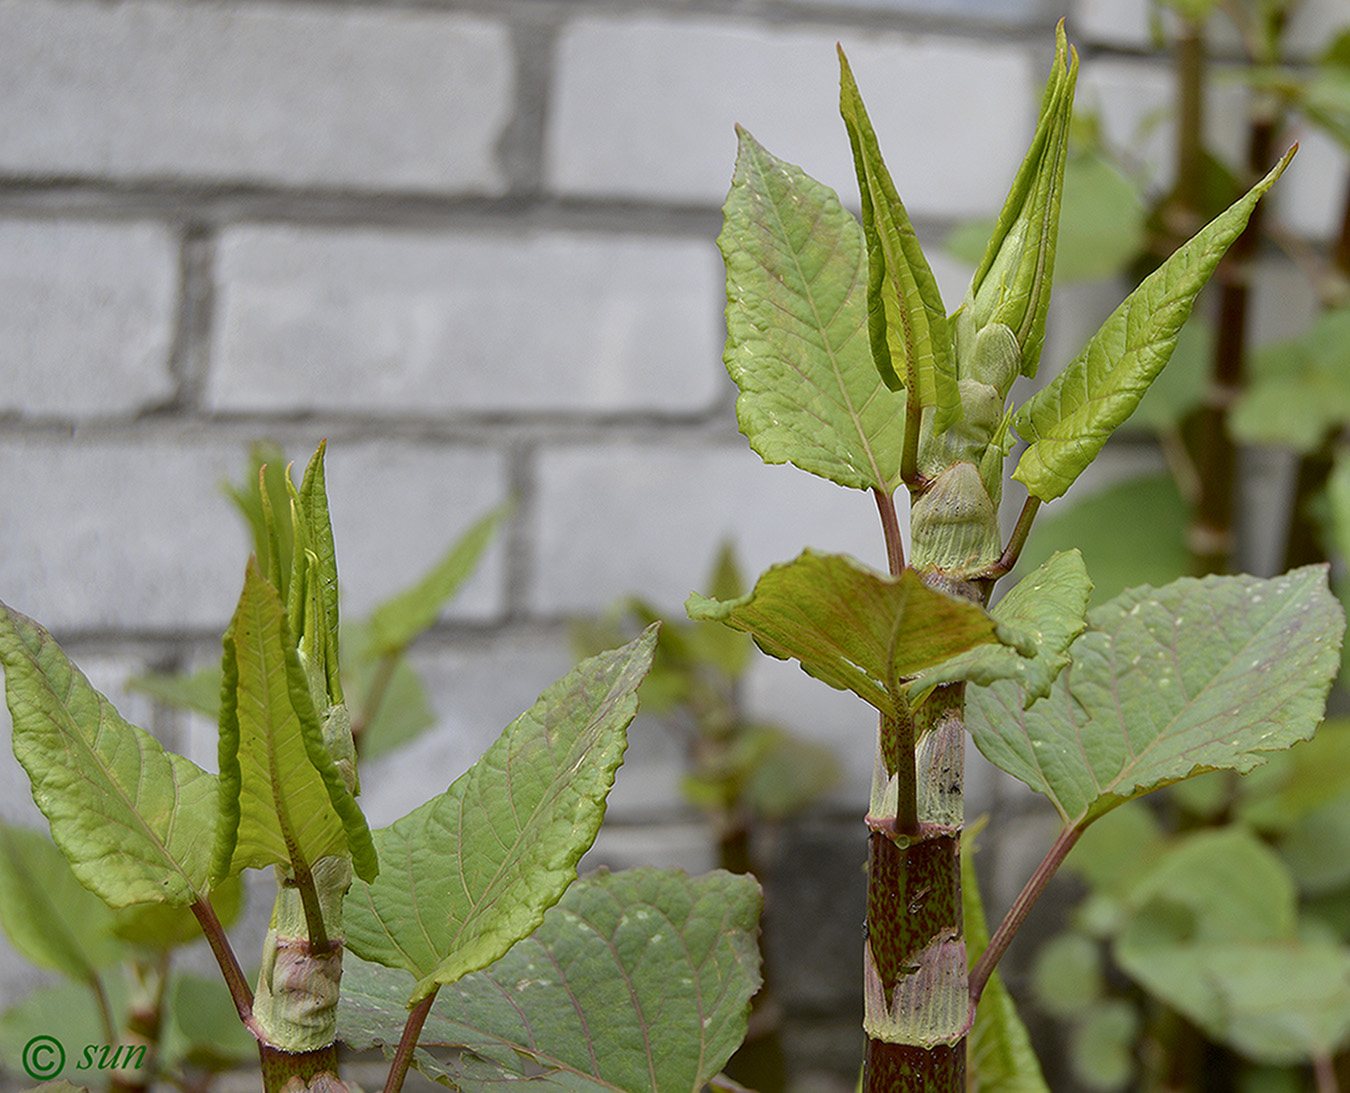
850, 368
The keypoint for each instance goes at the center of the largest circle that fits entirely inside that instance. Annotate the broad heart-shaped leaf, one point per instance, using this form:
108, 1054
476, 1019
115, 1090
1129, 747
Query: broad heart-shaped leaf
1049, 602
49, 916
135, 822
471, 872
907, 321
1066, 423
854, 628
1213, 932
1000, 1056
796, 328
282, 798
635, 981
1203, 674
393, 625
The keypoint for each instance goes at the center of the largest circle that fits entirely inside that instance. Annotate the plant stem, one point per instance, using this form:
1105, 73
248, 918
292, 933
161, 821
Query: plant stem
374, 697
412, 1029
229, 965
319, 944
1216, 457
104, 1007
1325, 1074
281, 1067
1017, 913
1016, 541
890, 527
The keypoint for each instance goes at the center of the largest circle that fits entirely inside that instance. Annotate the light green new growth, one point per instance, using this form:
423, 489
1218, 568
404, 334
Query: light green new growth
283, 799
468, 874
797, 328
911, 345
136, 822
1067, 423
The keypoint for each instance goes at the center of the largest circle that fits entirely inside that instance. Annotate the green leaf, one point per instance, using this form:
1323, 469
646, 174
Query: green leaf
796, 344
1299, 390
471, 872
1129, 533
854, 628
1102, 222
1214, 934
404, 711
204, 1029
906, 319
1312, 775
786, 774
135, 822
1066, 976
1102, 1044
1202, 675
1000, 1058
1180, 387
1049, 603
261, 495
48, 915
312, 600
67, 1011
393, 625
160, 927
282, 799
635, 981
1066, 423
198, 691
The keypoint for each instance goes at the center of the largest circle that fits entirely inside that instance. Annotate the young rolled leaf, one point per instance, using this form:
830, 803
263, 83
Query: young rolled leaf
796, 340
1214, 673
135, 822
638, 981
907, 321
393, 625
471, 872
1050, 603
282, 798
854, 628
312, 602
1011, 286
1067, 423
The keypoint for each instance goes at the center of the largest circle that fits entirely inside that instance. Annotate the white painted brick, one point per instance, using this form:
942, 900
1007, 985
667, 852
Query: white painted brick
86, 317
1135, 102
649, 518
1310, 195
475, 692
305, 94
644, 107
1130, 24
397, 508
130, 534
137, 535
396, 322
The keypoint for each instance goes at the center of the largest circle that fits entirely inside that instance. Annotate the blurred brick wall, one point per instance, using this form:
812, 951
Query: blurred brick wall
472, 245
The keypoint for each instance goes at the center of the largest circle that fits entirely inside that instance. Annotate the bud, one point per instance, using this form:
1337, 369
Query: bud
1012, 284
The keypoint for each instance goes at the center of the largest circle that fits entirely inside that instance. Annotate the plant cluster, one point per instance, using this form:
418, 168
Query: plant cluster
638, 979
